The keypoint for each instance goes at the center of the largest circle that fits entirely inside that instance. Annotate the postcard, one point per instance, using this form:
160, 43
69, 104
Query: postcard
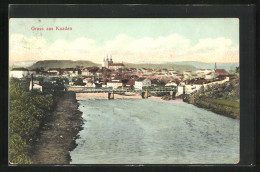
124, 91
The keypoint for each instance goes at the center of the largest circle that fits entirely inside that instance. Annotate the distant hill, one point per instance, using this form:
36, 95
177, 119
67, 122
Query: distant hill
202, 65
180, 68
22, 64
62, 64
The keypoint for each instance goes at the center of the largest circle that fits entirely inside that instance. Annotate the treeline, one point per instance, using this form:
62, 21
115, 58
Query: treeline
27, 109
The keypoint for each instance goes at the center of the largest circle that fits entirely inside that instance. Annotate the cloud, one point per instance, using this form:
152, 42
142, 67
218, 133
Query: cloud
125, 48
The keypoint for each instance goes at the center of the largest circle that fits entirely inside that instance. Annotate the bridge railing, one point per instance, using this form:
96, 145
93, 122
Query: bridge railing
110, 89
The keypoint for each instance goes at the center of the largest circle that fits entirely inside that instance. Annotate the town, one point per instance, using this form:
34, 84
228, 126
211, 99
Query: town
116, 76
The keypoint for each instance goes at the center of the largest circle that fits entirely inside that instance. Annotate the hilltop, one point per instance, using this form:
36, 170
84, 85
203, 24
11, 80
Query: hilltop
62, 64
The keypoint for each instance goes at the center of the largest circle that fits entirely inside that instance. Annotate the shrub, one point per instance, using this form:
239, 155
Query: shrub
26, 112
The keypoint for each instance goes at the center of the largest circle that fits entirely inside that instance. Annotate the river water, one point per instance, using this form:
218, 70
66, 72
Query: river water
146, 131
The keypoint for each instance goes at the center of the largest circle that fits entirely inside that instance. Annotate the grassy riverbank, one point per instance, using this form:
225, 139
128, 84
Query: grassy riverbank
223, 99
27, 111
42, 125
59, 132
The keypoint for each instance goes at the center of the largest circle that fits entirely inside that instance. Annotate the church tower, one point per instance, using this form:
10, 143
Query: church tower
215, 68
106, 62
111, 61
103, 64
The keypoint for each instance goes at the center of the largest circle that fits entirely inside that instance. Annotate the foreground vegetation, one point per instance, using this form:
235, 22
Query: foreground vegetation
223, 99
27, 110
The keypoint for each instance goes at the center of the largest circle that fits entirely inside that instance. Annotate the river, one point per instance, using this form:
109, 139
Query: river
147, 131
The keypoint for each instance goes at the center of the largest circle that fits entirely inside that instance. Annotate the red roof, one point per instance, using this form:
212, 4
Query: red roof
117, 64
221, 72
140, 79
131, 82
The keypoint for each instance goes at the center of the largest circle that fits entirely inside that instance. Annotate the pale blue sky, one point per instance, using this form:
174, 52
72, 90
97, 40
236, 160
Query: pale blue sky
103, 30
106, 29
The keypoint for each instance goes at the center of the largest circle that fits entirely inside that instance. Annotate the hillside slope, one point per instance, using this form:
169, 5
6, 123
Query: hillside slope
203, 65
72, 64
180, 68
223, 99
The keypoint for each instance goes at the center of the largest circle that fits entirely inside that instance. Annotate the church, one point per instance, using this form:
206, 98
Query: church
108, 63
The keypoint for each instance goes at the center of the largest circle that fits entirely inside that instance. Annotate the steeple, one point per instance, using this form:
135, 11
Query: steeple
103, 64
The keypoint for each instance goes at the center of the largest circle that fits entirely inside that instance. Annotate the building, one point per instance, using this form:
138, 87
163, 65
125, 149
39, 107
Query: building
54, 70
114, 84
131, 83
203, 72
210, 76
187, 74
35, 86
180, 90
221, 72
19, 72
142, 82
108, 63
85, 72
171, 83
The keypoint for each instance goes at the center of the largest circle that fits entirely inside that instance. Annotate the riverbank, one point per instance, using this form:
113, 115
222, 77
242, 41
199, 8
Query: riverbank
59, 132
228, 108
223, 99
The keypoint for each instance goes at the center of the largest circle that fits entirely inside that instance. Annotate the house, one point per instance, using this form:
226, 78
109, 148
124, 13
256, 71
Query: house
35, 86
114, 84
171, 83
180, 76
187, 74
194, 76
203, 72
154, 82
221, 72
69, 72
85, 72
180, 90
86, 80
19, 72
131, 83
142, 82
54, 70
210, 76
91, 84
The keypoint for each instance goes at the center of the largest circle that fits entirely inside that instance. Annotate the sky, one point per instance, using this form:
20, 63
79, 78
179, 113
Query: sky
125, 39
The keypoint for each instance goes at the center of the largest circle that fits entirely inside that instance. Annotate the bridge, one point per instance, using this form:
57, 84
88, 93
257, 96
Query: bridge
144, 92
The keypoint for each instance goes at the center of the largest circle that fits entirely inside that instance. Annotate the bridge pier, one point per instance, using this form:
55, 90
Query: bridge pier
111, 96
172, 94
145, 95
